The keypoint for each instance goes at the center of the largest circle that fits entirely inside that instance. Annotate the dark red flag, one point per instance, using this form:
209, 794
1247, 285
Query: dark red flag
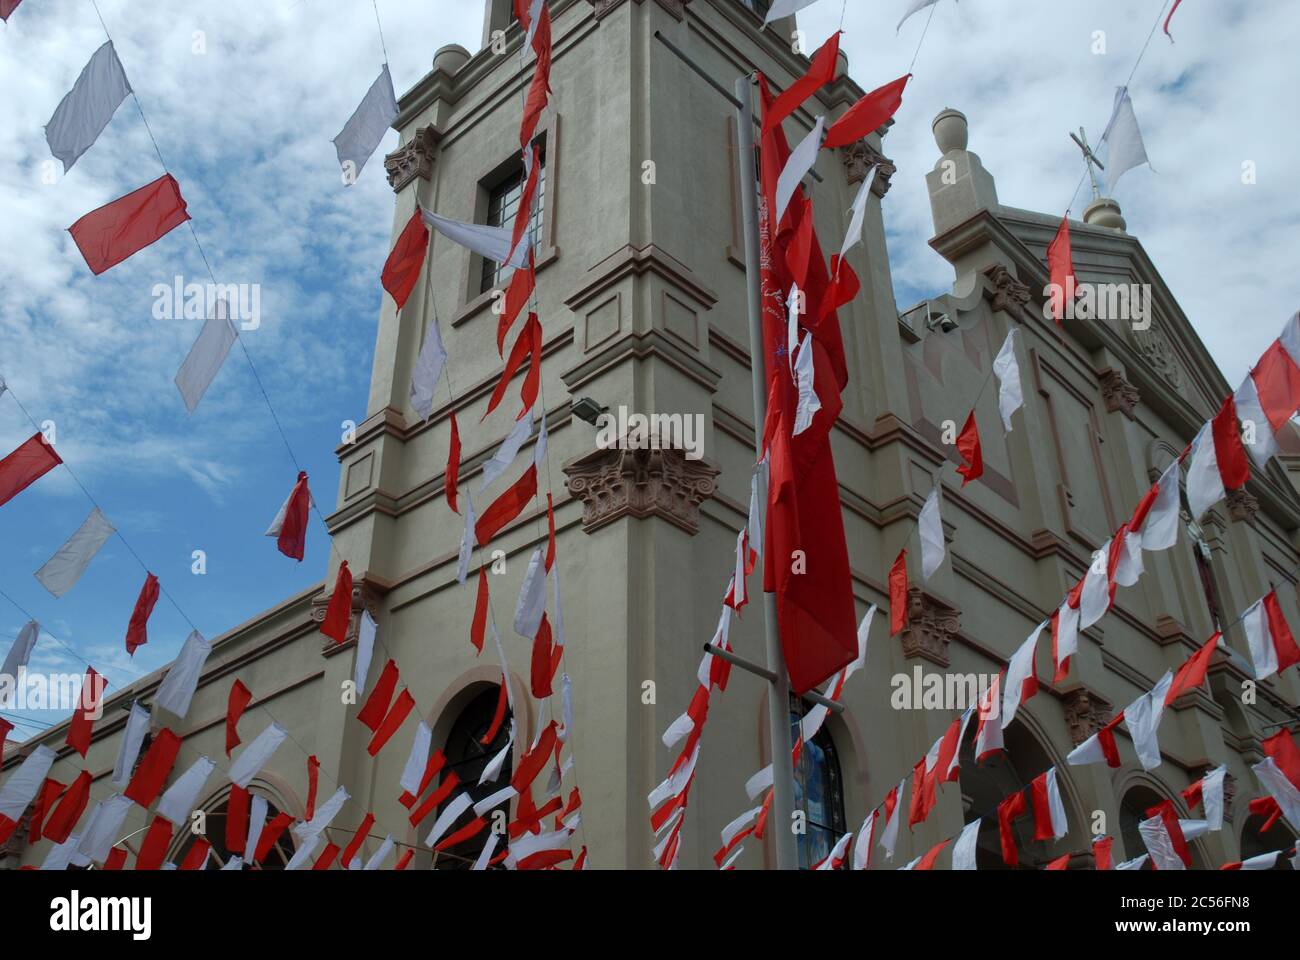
112, 233
240, 696
237, 817
898, 594
79, 729
137, 631
65, 816
499, 715
197, 856
479, 624
350, 852
402, 269
401, 709
292, 539
453, 465
270, 834
1229, 452
508, 506
540, 673
867, 115
968, 445
152, 772
1009, 810
49, 792
7, 7
820, 73
339, 613
313, 781
153, 849
27, 464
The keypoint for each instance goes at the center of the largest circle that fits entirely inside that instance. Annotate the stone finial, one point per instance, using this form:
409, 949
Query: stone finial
413, 159
951, 131
642, 483
931, 625
451, 58
858, 159
1104, 212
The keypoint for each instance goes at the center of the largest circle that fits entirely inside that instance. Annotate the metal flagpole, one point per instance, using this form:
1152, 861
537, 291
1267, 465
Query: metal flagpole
778, 699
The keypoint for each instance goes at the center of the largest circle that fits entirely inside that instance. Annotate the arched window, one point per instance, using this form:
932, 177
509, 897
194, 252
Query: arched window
1276, 837
467, 756
1133, 807
275, 859
818, 791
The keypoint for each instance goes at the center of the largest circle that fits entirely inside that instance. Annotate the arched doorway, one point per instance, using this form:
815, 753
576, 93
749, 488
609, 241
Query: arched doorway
467, 757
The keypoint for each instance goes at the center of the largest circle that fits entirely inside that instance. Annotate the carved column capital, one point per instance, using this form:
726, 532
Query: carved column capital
1085, 713
641, 483
858, 159
1008, 294
1242, 506
364, 597
1119, 395
931, 625
413, 159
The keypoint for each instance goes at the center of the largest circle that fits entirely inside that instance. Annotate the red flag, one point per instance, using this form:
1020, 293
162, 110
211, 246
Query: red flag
238, 814
152, 772
867, 115
503, 700
541, 663
65, 816
437, 760
7, 7
153, 849
471, 829
434, 800
898, 594
402, 269
522, 283
1060, 863
126, 226
1281, 747
197, 856
968, 445
453, 465
1169, 816
79, 729
508, 506
25, 466
405, 860
240, 696
313, 779
845, 285
270, 834
924, 794
1172, 10
480, 611
1101, 853
533, 378
527, 345
1009, 810
1192, 673
350, 852
538, 90
534, 760
49, 792
400, 711
927, 861
339, 613
524, 212
326, 858
137, 630
820, 73
375, 708
116, 859
1060, 266
292, 540
1277, 382
1229, 452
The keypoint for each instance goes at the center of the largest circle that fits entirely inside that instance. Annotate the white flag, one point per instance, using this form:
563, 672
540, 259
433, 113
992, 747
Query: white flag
103, 827
491, 243
963, 851
366, 631
1212, 796
306, 850
254, 756
809, 403
137, 725
930, 529
532, 597
177, 689
801, 161
1160, 528
62, 571
785, 8
1251, 410
417, 759
20, 653
889, 836
178, 802
1204, 482
468, 540
1094, 599
85, 111
858, 213
325, 814
912, 8
206, 356
383, 853
450, 813
861, 846
1125, 139
366, 127
506, 453
256, 824
428, 369
1020, 669
1007, 369
20, 789
1279, 788
1142, 717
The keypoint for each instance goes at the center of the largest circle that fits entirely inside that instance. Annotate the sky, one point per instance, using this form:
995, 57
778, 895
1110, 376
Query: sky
244, 97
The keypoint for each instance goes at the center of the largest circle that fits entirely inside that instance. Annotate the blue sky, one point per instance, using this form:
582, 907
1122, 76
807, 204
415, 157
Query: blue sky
246, 125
